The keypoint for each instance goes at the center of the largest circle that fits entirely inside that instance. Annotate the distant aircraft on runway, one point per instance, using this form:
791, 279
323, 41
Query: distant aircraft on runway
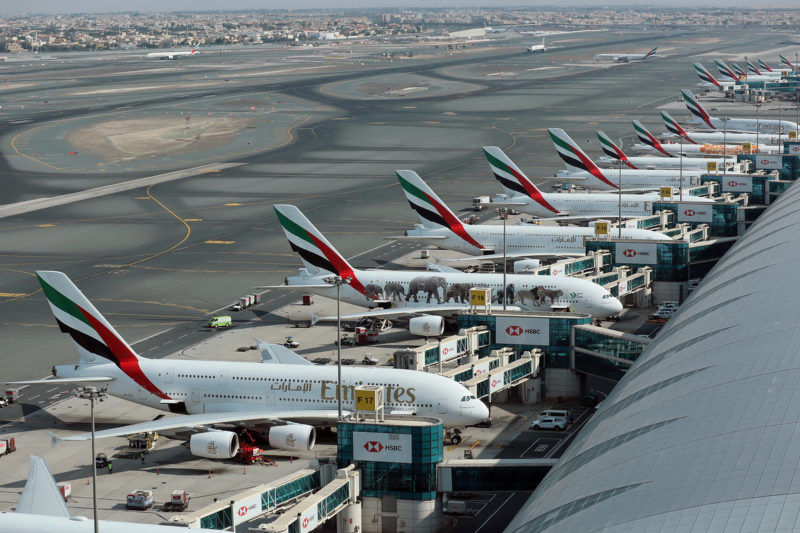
625, 58
537, 47
173, 55
439, 226
614, 154
524, 195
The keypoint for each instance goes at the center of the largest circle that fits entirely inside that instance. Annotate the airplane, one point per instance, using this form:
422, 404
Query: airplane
368, 288
704, 120
173, 55
537, 47
580, 166
766, 73
649, 142
710, 80
700, 137
737, 74
787, 62
614, 154
41, 509
521, 193
284, 397
625, 58
766, 68
441, 227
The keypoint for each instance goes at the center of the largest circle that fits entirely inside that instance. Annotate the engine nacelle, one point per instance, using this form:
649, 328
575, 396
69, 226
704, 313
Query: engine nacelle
426, 325
214, 444
524, 265
292, 437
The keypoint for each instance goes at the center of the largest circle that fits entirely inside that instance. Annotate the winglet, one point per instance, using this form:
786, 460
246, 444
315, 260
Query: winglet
54, 439
612, 150
694, 107
647, 138
513, 180
41, 495
574, 158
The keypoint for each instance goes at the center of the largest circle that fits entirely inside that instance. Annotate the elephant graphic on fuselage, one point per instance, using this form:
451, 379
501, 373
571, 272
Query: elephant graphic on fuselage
394, 291
429, 284
373, 292
459, 292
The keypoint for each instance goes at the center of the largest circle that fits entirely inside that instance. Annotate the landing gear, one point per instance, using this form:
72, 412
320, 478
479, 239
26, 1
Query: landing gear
452, 436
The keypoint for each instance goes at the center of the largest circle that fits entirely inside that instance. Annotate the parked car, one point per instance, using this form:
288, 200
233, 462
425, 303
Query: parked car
369, 360
548, 422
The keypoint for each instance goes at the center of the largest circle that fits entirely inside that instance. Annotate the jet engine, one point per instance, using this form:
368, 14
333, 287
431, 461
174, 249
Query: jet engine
292, 437
426, 325
214, 444
524, 265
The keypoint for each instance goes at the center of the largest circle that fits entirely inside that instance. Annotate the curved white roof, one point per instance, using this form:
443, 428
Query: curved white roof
702, 434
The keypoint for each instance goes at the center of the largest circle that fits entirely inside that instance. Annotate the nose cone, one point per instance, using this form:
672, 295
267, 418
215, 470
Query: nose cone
481, 412
614, 306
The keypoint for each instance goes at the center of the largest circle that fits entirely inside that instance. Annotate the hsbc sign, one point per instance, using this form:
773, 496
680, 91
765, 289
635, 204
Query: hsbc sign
308, 519
448, 350
636, 253
381, 447
246, 509
497, 381
769, 162
739, 183
513, 330
695, 212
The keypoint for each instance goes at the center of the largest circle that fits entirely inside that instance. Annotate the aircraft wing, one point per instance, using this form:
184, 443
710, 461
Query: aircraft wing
97, 380
188, 422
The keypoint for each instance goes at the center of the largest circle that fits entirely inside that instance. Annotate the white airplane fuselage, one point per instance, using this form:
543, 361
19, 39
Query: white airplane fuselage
670, 163
408, 289
539, 240
717, 137
215, 386
591, 205
635, 179
745, 125
710, 149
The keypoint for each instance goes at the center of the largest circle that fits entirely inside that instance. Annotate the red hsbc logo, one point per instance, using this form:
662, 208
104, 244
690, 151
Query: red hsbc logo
494, 383
765, 161
690, 212
373, 446
629, 253
514, 331
242, 510
733, 183
445, 350
305, 523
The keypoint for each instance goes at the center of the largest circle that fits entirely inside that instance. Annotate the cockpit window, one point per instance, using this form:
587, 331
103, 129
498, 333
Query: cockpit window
606, 296
468, 398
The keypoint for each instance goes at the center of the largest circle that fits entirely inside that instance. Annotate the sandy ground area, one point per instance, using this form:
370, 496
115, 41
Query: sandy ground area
140, 138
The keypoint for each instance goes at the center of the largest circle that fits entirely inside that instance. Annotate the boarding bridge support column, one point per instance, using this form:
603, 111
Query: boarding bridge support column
349, 519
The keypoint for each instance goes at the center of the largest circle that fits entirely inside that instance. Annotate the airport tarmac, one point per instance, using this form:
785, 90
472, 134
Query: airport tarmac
158, 260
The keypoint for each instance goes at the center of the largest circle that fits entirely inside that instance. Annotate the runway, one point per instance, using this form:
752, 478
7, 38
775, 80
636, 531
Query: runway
157, 260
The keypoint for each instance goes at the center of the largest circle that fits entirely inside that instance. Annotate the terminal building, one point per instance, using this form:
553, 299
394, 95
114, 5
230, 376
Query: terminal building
701, 434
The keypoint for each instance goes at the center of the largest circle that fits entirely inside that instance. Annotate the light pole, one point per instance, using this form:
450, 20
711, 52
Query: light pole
724, 142
780, 124
503, 215
92, 394
619, 199
338, 281
757, 123
680, 173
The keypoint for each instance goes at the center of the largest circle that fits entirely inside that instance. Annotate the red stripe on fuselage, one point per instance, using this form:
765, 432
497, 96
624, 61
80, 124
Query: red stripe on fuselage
532, 191
128, 362
455, 225
592, 168
342, 267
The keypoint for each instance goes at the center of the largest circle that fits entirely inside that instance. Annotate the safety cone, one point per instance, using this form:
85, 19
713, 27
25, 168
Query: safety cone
244, 470
158, 471
209, 473
89, 480
290, 458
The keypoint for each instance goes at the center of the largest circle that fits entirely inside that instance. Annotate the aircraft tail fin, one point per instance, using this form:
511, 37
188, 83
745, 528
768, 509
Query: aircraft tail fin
786, 62
706, 76
431, 209
695, 108
513, 180
725, 70
195, 49
752, 68
94, 337
673, 127
764, 65
41, 495
651, 53
742, 73
648, 138
612, 150
574, 158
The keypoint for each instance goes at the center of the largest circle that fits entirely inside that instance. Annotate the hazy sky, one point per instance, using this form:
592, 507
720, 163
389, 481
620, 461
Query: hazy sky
11, 7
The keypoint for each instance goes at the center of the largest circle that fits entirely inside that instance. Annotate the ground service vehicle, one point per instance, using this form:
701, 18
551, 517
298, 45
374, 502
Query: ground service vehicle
140, 500
548, 422
220, 322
